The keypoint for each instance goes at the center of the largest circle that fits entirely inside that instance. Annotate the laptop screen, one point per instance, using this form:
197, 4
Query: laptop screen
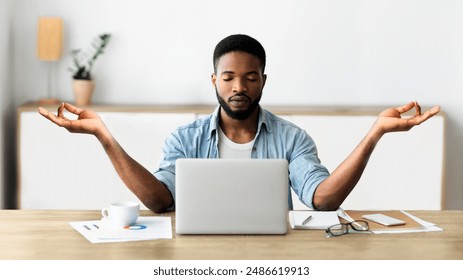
231, 196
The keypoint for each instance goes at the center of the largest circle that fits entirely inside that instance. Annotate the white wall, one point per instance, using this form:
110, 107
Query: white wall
319, 53
6, 98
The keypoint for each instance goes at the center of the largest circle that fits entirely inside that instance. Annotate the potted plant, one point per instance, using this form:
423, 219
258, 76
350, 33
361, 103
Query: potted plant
83, 83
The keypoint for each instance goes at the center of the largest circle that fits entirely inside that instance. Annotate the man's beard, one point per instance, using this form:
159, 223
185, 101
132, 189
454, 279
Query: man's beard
240, 114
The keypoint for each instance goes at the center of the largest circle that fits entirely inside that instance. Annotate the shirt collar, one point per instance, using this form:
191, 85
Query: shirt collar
214, 122
263, 120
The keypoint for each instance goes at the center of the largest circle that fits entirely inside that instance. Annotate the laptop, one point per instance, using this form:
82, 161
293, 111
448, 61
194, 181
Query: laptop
231, 196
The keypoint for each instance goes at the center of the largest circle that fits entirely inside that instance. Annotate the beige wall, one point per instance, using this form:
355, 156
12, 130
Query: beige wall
319, 53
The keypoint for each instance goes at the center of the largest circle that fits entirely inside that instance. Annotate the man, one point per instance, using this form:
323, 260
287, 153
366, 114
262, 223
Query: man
240, 128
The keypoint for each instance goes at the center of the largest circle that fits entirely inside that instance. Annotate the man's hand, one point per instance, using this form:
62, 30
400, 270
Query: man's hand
87, 121
390, 120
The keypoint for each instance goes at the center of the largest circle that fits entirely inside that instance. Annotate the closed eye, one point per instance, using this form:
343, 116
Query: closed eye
252, 77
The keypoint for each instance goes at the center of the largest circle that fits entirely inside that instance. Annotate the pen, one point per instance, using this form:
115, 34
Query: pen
307, 220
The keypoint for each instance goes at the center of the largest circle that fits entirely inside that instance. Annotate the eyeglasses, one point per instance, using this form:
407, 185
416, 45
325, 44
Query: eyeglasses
358, 226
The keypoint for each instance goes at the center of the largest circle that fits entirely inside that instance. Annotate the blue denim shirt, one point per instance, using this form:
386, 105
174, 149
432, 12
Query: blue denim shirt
276, 139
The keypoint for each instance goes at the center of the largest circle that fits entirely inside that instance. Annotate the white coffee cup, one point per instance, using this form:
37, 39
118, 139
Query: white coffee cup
123, 213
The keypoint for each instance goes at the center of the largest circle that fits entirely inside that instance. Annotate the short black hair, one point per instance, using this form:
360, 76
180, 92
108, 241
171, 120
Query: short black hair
239, 42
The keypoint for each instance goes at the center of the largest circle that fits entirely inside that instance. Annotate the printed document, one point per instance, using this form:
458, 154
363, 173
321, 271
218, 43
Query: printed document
146, 228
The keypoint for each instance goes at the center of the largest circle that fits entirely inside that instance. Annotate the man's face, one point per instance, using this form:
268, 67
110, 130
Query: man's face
238, 83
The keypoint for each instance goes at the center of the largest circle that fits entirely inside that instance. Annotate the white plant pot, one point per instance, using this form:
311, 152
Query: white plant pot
83, 91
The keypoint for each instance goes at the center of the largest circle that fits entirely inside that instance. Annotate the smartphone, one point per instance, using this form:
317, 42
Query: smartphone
383, 220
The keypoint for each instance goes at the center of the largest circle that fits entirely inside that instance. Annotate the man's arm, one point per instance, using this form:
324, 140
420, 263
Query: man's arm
151, 192
333, 191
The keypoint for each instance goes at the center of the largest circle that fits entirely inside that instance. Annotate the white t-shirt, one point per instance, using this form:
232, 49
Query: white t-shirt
232, 150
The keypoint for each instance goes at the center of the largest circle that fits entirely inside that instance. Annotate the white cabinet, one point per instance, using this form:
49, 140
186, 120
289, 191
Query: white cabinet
404, 172
59, 170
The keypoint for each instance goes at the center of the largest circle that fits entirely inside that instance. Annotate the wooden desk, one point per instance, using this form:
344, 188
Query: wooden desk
46, 234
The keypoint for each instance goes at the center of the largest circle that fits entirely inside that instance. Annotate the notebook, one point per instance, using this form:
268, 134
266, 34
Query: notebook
231, 196
317, 220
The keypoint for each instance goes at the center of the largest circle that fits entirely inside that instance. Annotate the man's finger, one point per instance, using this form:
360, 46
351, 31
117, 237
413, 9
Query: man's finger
73, 109
434, 110
405, 108
54, 119
60, 121
44, 112
417, 109
428, 114
60, 110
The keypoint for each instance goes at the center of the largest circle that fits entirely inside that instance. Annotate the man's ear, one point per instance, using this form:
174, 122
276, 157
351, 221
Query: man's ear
265, 79
213, 79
